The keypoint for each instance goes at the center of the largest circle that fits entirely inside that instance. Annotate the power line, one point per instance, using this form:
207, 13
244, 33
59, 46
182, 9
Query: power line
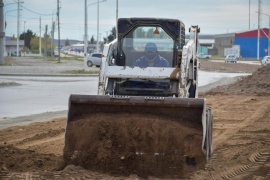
35, 12
32, 10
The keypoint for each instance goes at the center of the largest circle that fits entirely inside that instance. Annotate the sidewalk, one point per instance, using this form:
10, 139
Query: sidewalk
38, 66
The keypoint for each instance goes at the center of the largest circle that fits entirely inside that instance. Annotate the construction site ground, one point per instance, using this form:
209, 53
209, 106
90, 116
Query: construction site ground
241, 143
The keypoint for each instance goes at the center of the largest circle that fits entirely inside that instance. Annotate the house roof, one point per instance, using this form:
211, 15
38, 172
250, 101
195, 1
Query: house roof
264, 32
14, 42
250, 33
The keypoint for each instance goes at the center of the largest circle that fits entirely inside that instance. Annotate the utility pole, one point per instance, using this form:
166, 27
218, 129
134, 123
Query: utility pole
97, 26
259, 29
116, 28
268, 33
58, 30
52, 34
45, 41
2, 33
40, 35
97, 43
249, 16
24, 37
85, 34
18, 28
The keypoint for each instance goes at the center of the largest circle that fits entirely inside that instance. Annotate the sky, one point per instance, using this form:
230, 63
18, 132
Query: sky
212, 16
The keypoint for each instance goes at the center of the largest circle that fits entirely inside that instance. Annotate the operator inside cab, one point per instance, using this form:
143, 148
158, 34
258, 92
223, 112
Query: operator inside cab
151, 57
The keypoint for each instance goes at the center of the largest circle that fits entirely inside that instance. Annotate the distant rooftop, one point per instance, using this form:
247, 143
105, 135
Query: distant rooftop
203, 36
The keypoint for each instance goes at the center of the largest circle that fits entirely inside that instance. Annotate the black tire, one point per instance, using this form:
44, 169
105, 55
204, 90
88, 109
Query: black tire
209, 133
192, 91
89, 63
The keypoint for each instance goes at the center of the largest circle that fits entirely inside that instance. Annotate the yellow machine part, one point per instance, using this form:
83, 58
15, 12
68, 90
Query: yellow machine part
159, 137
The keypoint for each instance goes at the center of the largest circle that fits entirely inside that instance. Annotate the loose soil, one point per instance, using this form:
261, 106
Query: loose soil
142, 144
241, 144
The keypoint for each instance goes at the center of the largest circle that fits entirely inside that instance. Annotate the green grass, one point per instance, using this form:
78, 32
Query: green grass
8, 61
81, 72
218, 57
76, 58
62, 59
72, 57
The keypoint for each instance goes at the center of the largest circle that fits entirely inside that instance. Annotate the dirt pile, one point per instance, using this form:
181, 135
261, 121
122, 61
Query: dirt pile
256, 84
23, 160
38, 147
142, 144
241, 129
228, 67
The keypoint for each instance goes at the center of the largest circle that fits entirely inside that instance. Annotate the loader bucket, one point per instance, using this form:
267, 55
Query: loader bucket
160, 137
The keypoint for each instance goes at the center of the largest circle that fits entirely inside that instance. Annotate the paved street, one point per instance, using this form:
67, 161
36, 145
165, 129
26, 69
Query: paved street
32, 86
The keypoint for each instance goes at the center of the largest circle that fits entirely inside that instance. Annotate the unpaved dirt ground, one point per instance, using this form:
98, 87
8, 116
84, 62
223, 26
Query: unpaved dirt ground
240, 136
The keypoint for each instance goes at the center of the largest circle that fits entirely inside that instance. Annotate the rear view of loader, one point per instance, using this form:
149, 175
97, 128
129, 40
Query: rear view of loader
147, 121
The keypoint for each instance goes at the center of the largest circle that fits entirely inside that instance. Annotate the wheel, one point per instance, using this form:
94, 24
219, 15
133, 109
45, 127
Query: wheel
209, 135
192, 91
89, 63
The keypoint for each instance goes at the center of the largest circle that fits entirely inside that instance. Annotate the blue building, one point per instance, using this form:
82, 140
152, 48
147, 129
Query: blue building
247, 41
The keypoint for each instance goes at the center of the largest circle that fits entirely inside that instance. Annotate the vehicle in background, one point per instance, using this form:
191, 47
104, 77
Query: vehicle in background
204, 56
56, 53
230, 58
265, 60
94, 59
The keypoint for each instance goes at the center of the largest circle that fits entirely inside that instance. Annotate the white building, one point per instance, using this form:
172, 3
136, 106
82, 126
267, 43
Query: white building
11, 47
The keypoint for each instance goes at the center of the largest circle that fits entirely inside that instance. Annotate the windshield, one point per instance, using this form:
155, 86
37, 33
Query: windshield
148, 39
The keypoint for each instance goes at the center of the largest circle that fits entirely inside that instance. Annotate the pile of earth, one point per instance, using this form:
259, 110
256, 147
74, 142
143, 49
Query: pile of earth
256, 84
135, 143
228, 67
241, 129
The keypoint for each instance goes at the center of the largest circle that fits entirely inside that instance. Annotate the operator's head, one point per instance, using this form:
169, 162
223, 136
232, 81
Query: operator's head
150, 51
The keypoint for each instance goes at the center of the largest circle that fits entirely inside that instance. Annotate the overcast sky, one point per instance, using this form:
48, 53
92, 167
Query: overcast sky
213, 16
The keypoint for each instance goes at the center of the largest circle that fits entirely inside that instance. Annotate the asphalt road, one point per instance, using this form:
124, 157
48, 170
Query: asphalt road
28, 95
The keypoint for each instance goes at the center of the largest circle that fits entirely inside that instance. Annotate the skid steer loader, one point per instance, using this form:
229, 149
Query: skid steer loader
147, 121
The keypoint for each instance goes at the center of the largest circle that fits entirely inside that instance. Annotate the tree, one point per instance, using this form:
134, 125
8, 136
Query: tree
150, 33
35, 44
112, 35
140, 33
92, 40
67, 43
13, 37
27, 36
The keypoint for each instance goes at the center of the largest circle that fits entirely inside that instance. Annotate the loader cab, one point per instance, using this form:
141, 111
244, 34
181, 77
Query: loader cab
134, 44
133, 35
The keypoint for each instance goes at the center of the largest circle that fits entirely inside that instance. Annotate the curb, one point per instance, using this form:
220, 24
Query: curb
52, 75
